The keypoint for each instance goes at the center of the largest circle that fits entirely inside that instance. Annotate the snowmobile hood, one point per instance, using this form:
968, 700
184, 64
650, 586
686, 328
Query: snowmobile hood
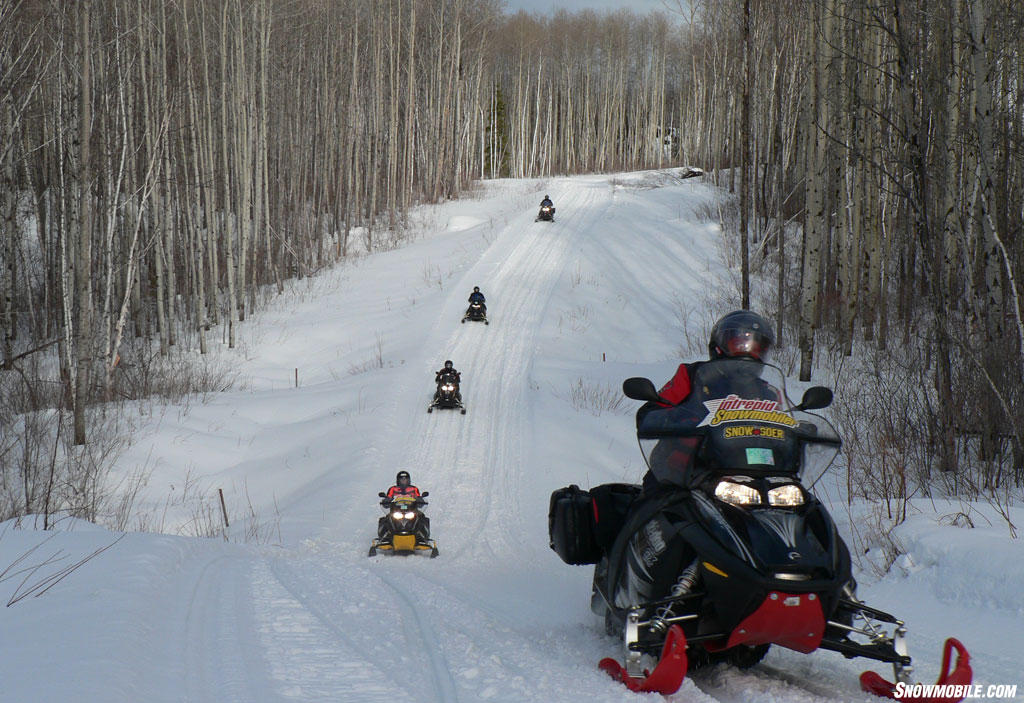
788, 544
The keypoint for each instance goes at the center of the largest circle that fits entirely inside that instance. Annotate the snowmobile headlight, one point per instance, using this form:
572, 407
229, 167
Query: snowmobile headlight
449, 387
737, 493
788, 496
410, 515
397, 515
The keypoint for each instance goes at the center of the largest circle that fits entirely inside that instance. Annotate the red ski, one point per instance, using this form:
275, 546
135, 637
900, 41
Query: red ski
667, 676
951, 687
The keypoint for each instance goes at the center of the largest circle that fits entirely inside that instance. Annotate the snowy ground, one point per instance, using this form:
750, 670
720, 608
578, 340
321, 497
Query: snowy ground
613, 288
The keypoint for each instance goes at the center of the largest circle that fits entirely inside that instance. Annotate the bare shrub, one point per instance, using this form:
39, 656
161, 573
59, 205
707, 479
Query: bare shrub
695, 319
706, 211
576, 319
597, 398
145, 373
257, 531
39, 577
376, 361
43, 472
432, 275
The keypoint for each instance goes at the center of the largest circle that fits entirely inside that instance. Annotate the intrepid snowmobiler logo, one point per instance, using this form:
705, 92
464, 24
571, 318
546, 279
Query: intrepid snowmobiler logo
735, 409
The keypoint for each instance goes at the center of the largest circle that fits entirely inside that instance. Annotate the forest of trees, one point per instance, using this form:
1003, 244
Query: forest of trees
163, 165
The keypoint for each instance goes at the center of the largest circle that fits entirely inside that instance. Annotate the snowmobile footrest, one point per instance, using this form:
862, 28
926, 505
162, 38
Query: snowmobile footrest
667, 676
951, 687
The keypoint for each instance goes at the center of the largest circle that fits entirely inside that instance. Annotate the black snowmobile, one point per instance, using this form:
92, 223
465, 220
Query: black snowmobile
404, 529
725, 551
546, 214
447, 395
476, 312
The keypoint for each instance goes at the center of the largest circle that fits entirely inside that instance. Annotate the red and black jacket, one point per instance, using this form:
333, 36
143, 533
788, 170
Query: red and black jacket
676, 391
407, 491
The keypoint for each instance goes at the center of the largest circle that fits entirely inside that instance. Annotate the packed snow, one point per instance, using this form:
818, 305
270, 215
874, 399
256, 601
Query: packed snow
334, 381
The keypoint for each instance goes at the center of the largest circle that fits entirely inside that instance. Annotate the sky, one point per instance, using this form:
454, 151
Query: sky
548, 6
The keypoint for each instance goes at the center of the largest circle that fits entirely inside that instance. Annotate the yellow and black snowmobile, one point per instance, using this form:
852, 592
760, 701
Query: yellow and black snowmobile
404, 529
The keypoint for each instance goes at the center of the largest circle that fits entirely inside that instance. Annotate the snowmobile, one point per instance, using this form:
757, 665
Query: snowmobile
476, 312
447, 395
725, 551
546, 214
404, 529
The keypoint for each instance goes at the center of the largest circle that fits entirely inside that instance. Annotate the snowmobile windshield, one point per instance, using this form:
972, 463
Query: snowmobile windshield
737, 420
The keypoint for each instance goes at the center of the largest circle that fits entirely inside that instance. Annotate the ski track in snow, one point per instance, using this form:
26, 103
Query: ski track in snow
219, 644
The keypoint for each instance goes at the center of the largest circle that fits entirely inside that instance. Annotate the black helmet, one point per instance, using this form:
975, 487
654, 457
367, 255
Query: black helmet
741, 333
476, 289
402, 476
448, 364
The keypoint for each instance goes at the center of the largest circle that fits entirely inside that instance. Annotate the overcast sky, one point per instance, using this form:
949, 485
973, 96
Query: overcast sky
549, 6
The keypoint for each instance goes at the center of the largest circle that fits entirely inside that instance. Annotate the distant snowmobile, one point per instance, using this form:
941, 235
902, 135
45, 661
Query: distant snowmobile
447, 395
476, 312
404, 529
547, 211
728, 552
546, 214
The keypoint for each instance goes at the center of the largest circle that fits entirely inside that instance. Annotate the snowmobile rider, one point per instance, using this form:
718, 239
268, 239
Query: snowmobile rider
477, 297
403, 487
448, 370
546, 203
741, 334
448, 373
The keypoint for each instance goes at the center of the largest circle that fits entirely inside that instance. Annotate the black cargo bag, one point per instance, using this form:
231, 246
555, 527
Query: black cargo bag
611, 503
571, 526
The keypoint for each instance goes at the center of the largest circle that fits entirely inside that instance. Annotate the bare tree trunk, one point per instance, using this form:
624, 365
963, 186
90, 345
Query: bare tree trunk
745, 164
816, 220
83, 272
9, 222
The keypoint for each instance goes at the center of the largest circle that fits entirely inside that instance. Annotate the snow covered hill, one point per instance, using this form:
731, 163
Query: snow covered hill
617, 286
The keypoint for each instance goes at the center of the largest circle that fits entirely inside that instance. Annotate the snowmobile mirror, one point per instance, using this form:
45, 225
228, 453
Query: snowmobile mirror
816, 397
639, 388
424, 494
382, 494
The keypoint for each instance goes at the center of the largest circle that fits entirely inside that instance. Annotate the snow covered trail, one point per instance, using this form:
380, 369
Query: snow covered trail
613, 288
476, 461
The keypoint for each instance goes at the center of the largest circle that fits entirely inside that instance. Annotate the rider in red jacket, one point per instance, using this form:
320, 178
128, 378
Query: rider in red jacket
739, 334
403, 486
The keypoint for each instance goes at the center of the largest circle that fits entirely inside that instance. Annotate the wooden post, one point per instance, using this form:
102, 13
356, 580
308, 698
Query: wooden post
223, 508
